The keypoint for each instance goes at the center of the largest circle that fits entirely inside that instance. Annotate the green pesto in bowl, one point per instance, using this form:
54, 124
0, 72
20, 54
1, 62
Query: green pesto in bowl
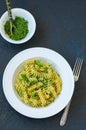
20, 31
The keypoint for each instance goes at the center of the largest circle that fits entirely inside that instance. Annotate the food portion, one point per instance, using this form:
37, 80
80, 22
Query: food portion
20, 29
37, 84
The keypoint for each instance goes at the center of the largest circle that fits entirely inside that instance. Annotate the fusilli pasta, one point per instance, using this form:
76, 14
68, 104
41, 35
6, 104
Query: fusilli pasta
38, 84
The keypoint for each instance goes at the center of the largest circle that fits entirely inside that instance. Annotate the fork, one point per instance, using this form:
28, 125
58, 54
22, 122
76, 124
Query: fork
76, 73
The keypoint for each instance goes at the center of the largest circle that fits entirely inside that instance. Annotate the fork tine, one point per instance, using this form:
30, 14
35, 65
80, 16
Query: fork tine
77, 67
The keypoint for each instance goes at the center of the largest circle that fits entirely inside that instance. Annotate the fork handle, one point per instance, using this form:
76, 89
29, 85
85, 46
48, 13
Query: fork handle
65, 114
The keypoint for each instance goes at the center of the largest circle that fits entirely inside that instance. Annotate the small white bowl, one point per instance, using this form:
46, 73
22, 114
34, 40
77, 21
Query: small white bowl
21, 13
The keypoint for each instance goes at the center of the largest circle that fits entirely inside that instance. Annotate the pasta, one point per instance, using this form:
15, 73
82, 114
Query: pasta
37, 84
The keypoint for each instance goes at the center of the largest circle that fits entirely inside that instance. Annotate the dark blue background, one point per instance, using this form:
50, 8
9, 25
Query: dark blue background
61, 26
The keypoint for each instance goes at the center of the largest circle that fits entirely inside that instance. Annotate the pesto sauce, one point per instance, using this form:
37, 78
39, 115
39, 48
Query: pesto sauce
20, 30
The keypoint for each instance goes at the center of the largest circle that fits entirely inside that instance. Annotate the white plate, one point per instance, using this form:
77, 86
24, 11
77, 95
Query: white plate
60, 64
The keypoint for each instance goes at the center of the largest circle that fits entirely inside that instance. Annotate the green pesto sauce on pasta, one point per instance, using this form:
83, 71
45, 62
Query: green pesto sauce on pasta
38, 84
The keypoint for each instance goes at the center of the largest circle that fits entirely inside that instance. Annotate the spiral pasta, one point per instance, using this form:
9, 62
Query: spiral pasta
38, 84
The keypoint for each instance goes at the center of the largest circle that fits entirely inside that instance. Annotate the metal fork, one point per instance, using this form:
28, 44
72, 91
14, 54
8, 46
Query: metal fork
76, 73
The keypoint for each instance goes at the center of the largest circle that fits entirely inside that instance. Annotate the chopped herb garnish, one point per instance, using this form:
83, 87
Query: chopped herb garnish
35, 95
37, 62
24, 78
45, 68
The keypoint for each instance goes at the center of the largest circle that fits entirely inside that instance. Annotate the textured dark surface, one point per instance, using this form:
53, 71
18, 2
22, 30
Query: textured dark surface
61, 26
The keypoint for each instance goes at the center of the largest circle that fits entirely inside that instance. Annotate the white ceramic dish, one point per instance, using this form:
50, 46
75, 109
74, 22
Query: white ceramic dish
58, 62
24, 14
